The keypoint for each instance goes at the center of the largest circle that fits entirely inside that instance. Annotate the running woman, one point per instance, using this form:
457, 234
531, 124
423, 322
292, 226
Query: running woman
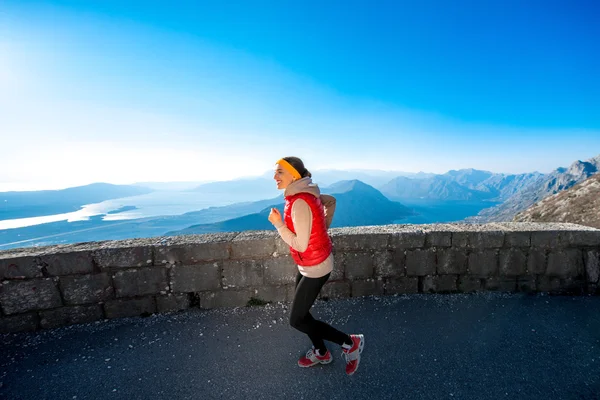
307, 216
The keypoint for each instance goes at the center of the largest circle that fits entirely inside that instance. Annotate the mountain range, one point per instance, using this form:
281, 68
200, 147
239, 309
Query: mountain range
356, 204
466, 184
579, 204
539, 188
408, 198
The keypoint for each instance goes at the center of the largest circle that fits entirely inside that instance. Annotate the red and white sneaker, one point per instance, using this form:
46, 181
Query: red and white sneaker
352, 355
311, 358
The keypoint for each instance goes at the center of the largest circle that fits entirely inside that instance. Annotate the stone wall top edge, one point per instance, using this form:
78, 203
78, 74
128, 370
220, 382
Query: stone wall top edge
464, 227
265, 234
195, 239
255, 235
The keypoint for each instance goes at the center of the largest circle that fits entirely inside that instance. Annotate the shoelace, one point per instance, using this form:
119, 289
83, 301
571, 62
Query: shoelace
350, 356
311, 355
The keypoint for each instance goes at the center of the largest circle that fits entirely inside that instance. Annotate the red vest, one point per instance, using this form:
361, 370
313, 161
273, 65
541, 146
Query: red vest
319, 243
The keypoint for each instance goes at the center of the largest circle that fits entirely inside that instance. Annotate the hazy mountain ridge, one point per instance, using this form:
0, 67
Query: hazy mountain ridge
356, 204
465, 184
502, 186
47, 202
170, 186
247, 189
373, 178
437, 187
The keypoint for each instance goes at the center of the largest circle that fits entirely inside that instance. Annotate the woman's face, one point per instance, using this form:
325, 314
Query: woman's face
282, 176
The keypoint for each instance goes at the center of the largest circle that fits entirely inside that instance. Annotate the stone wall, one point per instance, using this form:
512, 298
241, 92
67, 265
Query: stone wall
69, 284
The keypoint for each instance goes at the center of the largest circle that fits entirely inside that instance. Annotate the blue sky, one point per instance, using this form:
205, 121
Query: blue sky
126, 91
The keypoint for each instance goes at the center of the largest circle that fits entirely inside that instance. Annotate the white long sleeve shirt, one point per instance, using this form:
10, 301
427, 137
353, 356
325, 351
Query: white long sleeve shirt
302, 220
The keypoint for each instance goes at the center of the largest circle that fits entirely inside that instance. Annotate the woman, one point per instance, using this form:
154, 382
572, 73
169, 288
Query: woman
307, 216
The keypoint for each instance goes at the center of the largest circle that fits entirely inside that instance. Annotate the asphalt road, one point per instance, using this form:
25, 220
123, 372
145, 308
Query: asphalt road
478, 346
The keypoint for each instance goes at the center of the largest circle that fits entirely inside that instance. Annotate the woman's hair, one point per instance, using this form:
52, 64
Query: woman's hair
299, 166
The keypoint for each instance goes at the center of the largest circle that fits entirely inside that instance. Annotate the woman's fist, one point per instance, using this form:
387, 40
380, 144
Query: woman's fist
275, 216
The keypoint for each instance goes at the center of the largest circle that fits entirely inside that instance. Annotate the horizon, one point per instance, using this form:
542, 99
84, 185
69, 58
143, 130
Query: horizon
129, 92
264, 174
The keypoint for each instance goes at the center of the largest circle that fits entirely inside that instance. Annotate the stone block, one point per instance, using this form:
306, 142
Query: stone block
451, 261
408, 240
191, 253
123, 257
460, 239
22, 296
20, 267
360, 242
420, 262
581, 238
70, 315
140, 282
225, 298
518, 239
565, 263
592, 266
402, 285
483, 263
486, 240
526, 284
368, 287
358, 265
337, 274
547, 284
253, 245
427, 284
513, 262
546, 239
501, 284
195, 278
86, 289
389, 263
19, 323
469, 283
280, 270
130, 307
573, 286
555, 285
438, 239
172, 302
275, 293
281, 248
59, 264
334, 290
242, 273
291, 292
439, 284
537, 261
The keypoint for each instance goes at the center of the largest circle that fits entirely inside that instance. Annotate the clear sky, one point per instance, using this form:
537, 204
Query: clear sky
124, 91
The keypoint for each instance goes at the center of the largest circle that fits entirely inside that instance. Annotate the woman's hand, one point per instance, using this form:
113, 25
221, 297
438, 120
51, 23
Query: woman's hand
275, 217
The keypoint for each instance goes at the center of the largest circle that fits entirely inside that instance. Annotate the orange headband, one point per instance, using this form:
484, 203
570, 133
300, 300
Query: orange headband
289, 168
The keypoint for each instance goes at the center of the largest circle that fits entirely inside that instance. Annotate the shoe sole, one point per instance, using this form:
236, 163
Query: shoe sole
318, 362
361, 347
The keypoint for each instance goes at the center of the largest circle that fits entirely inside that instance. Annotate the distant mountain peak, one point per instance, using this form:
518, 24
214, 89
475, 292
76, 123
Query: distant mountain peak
581, 167
465, 171
349, 185
595, 161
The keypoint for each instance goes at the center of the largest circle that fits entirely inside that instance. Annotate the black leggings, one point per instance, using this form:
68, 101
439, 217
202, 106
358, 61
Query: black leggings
307, 290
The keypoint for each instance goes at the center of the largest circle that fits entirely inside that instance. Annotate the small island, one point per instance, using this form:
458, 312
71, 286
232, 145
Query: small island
122, 209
